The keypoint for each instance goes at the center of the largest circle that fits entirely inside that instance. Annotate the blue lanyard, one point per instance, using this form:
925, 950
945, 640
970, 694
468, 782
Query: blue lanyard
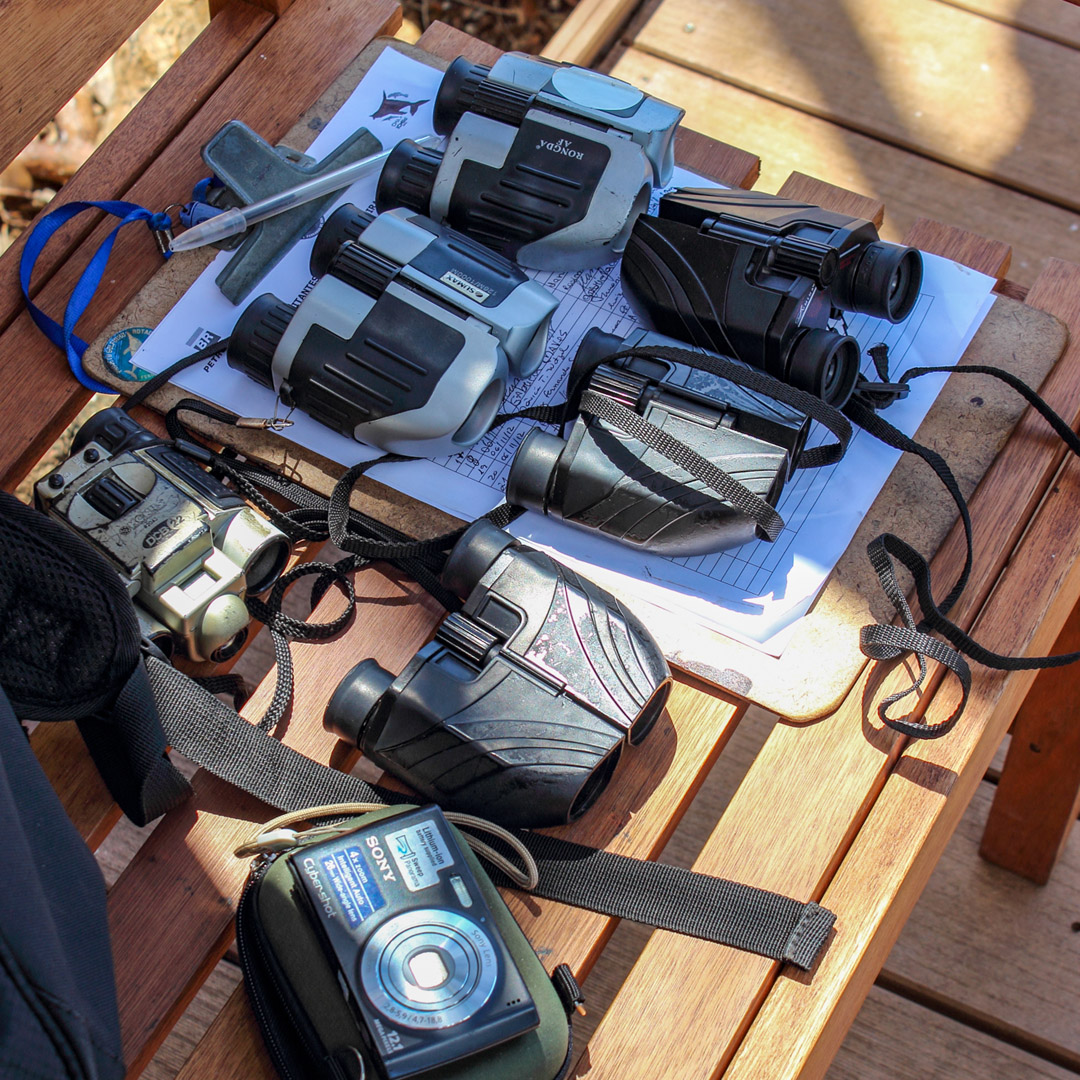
64, 337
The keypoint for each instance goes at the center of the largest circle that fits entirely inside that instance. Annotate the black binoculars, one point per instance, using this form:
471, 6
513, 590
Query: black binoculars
519, 708
761, 278
604, 479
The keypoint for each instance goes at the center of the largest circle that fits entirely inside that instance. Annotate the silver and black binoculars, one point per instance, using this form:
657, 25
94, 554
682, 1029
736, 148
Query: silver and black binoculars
188, 550
407, 339
548, 164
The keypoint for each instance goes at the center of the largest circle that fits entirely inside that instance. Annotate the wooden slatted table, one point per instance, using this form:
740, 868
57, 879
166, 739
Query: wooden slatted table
838, 810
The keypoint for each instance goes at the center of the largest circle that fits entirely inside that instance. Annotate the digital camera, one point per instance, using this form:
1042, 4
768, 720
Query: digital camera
603, 479
763, 278
548, 164
416, 947
405, 342
187, 548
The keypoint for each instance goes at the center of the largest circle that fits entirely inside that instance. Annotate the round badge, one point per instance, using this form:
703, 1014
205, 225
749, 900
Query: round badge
119, 350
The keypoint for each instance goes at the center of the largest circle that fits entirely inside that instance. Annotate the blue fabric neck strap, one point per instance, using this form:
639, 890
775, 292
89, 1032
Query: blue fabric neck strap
64, 337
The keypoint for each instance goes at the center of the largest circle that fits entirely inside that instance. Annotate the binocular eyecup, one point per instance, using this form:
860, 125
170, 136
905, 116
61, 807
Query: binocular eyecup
520, 707
408, 178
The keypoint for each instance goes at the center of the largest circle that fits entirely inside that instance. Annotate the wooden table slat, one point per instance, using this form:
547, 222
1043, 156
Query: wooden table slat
920, 74
169, 104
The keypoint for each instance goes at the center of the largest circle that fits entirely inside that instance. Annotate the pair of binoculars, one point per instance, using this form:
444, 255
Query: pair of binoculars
405, 342
604, 479
762, 278
548, 164
189, 550
519, 708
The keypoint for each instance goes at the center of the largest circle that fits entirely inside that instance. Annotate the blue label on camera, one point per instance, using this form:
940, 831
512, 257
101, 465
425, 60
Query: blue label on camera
347, 874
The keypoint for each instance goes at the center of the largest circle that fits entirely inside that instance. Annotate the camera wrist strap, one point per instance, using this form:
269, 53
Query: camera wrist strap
206, 730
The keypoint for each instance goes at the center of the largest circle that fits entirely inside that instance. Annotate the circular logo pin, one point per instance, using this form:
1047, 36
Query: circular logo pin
118, 351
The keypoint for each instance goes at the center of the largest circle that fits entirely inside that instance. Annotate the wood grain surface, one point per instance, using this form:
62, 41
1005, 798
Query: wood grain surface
1047, 18
1038, 796
589, 31
47, 52
297, 58
897, 1039
920, 74
910, 185
169, 104
827, 776
896, 849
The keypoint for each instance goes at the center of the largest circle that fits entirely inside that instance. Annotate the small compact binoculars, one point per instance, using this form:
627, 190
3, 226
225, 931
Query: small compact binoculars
519, 708
407, 339
761, 278
188, 549
548, 164
604, 479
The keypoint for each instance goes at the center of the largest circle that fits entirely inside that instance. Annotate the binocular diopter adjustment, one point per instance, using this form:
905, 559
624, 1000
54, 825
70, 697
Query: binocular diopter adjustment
519, 708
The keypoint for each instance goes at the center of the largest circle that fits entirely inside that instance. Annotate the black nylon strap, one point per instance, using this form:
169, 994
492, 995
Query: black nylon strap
770, 524
209, 732
129, 749
761, 383
885, 642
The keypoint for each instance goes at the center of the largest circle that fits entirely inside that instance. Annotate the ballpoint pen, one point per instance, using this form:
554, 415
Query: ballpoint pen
237, 219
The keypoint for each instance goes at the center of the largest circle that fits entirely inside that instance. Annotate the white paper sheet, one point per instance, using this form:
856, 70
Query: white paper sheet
754, 593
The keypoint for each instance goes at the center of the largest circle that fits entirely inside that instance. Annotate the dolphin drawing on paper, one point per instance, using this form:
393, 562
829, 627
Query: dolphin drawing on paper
396, 105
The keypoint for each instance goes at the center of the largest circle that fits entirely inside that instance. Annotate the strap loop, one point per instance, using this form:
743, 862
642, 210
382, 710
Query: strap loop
64, 336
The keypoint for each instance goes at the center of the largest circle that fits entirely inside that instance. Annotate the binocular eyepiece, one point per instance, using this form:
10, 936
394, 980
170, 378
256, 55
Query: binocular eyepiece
406, 341
548, 164
761, 278
519, 708
605, 480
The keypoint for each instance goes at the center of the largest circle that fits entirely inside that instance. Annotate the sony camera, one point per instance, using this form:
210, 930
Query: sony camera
762, 278
519, 708
187, 548
407, 339
604, 479
548, 164
416, 947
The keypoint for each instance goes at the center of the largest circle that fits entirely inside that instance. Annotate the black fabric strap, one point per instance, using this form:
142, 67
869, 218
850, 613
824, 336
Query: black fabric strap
761, 383
129, 749
768, 521
210, 733
890, 642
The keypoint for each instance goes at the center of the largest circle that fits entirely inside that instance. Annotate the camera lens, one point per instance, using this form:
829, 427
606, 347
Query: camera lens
825, 363
886, 281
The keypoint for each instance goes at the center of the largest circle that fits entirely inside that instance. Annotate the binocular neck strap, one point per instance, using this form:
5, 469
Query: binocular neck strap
891, 642
210, 733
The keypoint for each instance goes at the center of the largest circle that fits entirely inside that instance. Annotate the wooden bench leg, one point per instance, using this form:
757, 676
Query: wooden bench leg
1038, 796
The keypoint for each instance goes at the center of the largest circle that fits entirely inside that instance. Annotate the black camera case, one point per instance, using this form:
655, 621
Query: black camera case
309, 1027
